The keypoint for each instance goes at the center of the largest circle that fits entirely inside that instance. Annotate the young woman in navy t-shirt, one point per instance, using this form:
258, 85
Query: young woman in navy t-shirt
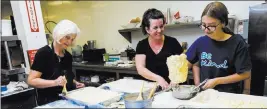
220, 56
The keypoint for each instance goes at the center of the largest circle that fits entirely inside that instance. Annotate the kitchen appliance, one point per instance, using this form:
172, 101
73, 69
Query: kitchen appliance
130, 52
257, 40
94, 55
12, 58
91, 44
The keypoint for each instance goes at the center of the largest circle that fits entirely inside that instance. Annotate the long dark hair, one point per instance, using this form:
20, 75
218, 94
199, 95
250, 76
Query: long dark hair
218, 11
150, 14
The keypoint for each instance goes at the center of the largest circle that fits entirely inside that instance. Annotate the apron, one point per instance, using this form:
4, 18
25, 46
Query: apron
59, 70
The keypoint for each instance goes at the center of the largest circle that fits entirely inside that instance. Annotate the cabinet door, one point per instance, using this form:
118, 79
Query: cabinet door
258, 73
24, 100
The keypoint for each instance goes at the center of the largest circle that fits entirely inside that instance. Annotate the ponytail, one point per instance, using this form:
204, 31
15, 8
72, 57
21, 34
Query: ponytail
227, 30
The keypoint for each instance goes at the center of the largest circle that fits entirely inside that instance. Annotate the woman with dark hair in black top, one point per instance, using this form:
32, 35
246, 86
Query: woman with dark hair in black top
222, 56
152, 52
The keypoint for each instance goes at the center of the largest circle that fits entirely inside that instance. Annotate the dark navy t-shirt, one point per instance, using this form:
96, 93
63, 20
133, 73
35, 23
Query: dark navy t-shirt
220, 59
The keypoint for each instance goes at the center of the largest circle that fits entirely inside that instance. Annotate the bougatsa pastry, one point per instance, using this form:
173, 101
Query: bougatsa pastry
178, 68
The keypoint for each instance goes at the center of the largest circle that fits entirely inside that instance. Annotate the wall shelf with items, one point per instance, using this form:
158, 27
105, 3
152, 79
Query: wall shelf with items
126, 33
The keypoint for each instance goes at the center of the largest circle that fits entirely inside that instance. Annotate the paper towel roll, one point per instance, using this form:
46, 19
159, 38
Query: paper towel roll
6, 28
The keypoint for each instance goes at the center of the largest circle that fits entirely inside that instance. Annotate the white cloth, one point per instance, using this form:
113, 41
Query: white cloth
128, 85
15, 86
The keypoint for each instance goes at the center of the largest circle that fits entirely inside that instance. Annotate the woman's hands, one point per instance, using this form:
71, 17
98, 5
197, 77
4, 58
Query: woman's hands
79, 85
161, 81
60, 81
211, 83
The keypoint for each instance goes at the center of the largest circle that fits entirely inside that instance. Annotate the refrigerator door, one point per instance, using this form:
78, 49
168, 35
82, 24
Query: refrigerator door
257, 40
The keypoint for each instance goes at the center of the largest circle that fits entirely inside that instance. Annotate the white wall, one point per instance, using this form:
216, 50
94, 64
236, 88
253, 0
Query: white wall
106, 18
120, 12
78, 12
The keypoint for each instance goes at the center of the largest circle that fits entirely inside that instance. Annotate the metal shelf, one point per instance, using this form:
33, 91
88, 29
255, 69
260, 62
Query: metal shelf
9, 38
13, 71
126, 33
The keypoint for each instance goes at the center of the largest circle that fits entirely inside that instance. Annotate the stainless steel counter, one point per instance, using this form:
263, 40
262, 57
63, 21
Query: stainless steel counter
118, 70
102, 67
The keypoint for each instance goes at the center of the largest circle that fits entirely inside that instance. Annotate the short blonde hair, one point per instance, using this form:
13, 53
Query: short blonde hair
64, 28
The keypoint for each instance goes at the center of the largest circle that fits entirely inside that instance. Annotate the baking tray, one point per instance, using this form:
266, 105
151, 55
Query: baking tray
104, 102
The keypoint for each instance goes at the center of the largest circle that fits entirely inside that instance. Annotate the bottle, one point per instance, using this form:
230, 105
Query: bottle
169, 18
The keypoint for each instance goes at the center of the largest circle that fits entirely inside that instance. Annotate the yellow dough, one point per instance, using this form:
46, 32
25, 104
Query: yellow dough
230, 100
178, 68
92, 95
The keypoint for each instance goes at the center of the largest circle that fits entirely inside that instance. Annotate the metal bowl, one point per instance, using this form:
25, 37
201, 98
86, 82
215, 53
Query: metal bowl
130, 101
185, 92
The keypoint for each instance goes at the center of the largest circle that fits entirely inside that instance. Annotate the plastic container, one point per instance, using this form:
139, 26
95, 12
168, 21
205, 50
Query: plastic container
3, 88
105, 57
95, 79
